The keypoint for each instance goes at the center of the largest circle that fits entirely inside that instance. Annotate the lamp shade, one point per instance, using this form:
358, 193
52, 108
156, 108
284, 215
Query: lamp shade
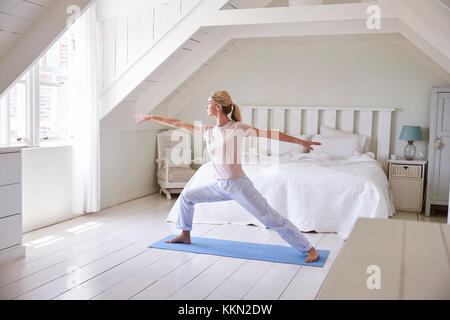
411, 133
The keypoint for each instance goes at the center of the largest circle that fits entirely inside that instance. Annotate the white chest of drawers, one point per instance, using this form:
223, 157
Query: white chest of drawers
11, 204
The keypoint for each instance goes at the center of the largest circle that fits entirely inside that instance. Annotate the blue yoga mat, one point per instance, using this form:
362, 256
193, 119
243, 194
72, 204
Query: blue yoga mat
244, 250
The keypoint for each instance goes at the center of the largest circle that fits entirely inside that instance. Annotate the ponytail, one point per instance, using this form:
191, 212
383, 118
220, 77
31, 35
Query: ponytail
236, 113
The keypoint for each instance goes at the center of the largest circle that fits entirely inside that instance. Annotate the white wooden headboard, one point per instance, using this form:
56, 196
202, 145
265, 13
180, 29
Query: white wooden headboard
372, 122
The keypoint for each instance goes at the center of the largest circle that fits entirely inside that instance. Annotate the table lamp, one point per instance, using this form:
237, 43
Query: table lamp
411, 134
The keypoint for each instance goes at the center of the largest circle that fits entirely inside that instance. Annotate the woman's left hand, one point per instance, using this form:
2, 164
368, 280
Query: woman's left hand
307, 144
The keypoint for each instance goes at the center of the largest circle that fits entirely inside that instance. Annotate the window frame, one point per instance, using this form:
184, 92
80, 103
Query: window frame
7, 121
32, 82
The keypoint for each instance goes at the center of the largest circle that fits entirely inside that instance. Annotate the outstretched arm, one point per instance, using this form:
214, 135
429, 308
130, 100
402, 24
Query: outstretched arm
173, 122
278, 135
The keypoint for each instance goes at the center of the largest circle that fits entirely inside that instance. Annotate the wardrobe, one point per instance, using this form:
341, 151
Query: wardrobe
438, 179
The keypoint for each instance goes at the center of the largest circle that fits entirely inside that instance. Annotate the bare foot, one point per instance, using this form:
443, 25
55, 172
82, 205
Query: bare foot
184, 237
313, 255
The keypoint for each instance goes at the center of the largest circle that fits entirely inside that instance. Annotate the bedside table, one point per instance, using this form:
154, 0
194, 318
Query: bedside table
406, 180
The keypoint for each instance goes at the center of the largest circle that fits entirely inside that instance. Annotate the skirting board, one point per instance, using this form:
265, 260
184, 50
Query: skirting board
12, 253
129, 197
48, 222
43, 224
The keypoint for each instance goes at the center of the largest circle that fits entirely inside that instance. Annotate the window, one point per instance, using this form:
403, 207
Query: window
48, 100
17, 102
54, 90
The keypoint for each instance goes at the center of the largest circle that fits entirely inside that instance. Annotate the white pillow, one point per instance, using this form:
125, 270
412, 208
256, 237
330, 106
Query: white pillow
336, 147
279, 148
363, 141
176, 158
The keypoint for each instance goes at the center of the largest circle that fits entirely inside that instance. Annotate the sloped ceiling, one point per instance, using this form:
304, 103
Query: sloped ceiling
15, 17
27, 29
423, 24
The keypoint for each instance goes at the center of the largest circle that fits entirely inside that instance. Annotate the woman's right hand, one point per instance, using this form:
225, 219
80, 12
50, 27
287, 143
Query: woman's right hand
142, 118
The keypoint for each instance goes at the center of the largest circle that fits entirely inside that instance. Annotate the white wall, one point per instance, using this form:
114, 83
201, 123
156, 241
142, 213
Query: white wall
128, 171
129, 28
379, 71
46, 186
128, 153
128, 166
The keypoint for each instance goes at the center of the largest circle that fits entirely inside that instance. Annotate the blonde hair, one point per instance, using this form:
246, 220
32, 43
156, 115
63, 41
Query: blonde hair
223, 98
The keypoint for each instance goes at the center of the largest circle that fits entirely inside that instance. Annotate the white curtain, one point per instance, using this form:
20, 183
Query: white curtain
84, 106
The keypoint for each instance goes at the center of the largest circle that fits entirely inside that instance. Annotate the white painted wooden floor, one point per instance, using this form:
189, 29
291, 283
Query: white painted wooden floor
105, 256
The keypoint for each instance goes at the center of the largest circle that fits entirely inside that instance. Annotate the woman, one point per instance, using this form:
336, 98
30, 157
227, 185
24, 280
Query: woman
231, 182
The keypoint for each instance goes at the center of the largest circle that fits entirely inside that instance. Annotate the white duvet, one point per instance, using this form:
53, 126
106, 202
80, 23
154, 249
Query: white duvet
312, 190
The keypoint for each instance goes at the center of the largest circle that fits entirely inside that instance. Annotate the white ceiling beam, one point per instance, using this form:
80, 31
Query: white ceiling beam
431, 51
197, 85
245, 4
114, 94
261, 16
411, 15
425, 24
176, 104
156, 55
342, 19
295, 29
155, 95
174, 79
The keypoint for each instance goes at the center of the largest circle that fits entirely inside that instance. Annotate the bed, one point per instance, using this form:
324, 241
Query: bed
317, 191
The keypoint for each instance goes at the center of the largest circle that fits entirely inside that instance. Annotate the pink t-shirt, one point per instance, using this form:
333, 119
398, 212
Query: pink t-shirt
224, 147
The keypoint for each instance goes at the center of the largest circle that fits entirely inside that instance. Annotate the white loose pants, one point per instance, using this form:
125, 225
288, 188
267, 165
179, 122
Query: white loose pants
243, 191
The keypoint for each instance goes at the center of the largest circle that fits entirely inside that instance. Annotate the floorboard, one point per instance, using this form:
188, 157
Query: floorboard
106, 256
